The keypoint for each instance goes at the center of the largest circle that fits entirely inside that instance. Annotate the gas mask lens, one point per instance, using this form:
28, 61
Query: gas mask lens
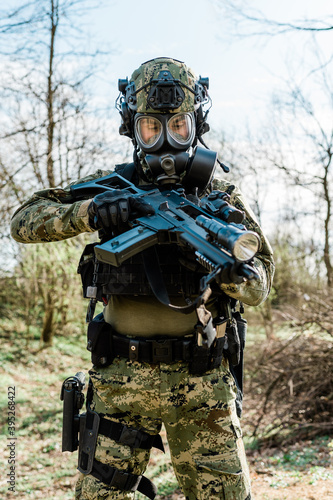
180, 128
177, 130
149, 130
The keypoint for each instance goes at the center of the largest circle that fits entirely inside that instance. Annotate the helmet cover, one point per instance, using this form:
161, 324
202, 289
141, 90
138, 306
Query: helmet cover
163, 71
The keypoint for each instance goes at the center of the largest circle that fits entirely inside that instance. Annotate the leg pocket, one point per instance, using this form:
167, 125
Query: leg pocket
224, 476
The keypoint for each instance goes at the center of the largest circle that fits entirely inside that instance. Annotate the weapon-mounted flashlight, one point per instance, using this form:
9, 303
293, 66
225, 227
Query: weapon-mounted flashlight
242, 245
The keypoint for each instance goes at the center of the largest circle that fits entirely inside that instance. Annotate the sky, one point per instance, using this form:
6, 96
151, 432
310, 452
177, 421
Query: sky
243, 72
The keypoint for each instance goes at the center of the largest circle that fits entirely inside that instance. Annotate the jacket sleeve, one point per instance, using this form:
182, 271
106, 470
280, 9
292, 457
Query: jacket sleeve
52, 215
252, 292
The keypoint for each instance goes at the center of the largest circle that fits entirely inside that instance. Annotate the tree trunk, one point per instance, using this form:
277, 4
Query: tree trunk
266, 314
50, 95
48, 323
327, 257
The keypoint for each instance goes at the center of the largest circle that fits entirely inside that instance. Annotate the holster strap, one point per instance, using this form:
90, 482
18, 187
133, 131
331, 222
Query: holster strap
122, 480
128, 436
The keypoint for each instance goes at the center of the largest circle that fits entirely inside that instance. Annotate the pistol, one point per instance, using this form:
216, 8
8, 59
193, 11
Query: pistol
73, 397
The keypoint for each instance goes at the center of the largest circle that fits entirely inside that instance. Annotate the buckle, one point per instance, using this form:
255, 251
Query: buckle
161, 351
125, 481
105, 471
129, 437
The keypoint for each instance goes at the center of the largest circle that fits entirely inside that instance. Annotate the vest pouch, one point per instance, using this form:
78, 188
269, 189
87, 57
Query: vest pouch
238, 371
99, 343
86, 267
242, 328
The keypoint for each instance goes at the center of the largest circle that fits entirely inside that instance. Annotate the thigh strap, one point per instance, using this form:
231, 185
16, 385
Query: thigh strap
128, 436
122, 480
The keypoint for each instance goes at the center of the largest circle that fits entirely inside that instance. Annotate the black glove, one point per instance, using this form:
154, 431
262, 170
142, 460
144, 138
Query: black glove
111, 210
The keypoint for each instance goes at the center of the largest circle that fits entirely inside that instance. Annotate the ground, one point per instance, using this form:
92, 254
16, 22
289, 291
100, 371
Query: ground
302, 471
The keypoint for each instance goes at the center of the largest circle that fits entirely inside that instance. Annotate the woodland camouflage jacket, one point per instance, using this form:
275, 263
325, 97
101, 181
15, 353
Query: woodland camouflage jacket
52, 215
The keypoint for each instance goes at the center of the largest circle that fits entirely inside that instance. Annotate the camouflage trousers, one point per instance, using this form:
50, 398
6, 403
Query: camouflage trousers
199, 415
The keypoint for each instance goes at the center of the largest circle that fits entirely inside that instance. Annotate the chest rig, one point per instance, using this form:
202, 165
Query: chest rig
130, 278
181, 273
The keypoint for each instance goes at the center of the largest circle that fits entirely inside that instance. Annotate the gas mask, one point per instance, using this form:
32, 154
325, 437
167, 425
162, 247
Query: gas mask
165, 139
161, 107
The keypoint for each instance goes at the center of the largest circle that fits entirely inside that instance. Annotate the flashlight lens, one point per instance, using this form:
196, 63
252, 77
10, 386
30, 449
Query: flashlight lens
246, 246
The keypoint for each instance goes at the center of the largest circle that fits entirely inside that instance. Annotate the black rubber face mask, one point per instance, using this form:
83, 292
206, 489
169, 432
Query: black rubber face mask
165, 140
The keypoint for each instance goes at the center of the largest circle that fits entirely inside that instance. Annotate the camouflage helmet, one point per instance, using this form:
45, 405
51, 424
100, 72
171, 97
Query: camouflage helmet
161, 85
166, 85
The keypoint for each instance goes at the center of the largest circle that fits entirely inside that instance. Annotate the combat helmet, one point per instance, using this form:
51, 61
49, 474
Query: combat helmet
161, 107
159, 86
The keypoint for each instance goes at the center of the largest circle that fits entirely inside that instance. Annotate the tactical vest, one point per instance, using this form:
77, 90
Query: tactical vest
130, 278
181, 275
181, 279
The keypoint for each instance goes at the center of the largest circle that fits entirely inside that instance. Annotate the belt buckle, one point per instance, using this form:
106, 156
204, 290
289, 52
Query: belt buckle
161, 351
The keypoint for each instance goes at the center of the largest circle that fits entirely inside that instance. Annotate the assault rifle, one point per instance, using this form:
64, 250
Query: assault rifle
219, 245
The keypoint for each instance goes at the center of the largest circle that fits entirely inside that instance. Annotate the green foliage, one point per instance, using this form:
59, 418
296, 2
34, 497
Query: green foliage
47, 289
298, 276
296, 269
301, 457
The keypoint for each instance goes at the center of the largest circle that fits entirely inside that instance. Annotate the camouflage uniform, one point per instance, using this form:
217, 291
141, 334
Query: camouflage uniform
199, 415
198, 412
51, 215
203, 430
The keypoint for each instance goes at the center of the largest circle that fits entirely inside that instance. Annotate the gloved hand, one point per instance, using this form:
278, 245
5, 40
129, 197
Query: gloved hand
111, 210
229, 274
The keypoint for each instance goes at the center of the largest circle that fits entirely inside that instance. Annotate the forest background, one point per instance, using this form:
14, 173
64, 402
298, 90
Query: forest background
58, 124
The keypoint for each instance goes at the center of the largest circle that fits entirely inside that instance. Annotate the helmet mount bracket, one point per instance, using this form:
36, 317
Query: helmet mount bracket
165, 92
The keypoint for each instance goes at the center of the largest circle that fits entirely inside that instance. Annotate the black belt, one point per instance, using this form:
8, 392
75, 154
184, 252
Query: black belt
105, 344
152, 351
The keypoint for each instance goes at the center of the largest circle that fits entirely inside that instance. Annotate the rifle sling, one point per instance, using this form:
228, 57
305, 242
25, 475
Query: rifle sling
155, 278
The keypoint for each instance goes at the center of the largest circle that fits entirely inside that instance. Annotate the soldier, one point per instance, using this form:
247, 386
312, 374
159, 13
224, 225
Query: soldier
146, 367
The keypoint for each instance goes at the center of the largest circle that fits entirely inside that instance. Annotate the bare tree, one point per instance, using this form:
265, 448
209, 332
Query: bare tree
301, 141
50, 131
45, 93
250, 21
304, 113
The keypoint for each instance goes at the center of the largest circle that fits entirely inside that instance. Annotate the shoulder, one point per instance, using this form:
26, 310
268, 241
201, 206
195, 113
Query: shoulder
236, 196
238, 200
96, 175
